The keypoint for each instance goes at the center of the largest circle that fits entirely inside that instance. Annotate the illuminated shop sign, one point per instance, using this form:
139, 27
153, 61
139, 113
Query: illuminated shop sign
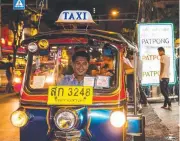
150, 37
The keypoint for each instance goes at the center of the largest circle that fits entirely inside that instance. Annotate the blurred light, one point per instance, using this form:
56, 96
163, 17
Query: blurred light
17, 80
117, 119
114, 13
49, 79
3, 41
94, 10
100, 49
54, 47
9, 43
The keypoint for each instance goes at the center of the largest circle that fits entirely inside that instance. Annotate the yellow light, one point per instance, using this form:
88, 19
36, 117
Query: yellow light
19, 118
117, 119
17, 80
9, 43
114, 13
3, 41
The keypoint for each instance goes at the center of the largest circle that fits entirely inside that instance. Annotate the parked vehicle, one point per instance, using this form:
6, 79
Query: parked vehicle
56, 108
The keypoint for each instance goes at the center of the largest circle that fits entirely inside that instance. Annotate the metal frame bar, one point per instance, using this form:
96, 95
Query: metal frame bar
135, 89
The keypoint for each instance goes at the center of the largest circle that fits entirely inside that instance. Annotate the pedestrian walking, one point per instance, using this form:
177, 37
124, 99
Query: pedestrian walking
9, 74
164, 77
130, 77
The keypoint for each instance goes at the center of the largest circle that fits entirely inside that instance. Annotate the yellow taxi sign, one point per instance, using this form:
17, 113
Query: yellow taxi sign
75, 16
43, 44
70, 95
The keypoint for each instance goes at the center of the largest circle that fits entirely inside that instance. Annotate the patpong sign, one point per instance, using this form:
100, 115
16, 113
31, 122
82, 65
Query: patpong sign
150, 37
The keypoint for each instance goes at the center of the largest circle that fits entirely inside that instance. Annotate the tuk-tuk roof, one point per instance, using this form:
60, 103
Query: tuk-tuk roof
108, 35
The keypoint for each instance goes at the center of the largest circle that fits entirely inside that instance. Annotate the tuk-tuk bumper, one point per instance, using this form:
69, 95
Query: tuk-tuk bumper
95, 126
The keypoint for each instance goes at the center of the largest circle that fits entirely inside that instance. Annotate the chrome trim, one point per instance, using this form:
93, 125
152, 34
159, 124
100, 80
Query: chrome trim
68, 135
134, 134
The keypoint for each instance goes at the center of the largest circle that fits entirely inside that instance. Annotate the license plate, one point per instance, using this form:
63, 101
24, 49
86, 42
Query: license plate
70, 95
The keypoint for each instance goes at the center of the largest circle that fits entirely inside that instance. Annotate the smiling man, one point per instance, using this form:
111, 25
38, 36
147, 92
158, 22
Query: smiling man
80, 64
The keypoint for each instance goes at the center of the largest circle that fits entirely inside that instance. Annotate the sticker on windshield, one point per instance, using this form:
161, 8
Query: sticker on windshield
38, 81
43, 44
89, 81
102, 81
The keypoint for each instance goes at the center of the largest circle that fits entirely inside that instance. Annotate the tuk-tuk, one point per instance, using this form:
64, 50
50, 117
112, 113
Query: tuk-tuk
74, 86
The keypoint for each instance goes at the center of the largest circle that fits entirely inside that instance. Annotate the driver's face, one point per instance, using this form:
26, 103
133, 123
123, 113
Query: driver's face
80, 66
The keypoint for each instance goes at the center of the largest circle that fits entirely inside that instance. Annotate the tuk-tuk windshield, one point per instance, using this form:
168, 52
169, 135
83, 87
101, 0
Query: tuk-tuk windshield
79, 65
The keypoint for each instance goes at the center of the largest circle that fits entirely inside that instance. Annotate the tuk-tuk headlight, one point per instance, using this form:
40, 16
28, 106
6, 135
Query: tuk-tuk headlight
19, 118
65, 120
117, 119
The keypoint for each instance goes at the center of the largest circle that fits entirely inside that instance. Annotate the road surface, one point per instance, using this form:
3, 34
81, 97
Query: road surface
8, 104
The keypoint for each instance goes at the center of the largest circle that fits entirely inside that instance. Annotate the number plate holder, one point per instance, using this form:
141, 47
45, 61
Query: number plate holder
70, 95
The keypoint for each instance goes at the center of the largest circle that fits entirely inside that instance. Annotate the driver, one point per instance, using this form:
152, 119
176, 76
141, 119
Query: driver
80, 64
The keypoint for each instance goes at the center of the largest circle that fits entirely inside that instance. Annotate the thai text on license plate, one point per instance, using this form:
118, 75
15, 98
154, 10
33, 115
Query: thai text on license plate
70, 95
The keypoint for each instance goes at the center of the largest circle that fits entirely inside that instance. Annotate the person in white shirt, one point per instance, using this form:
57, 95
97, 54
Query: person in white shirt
164, 77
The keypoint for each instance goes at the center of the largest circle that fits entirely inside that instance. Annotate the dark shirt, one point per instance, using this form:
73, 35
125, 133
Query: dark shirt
8, 66
90, 68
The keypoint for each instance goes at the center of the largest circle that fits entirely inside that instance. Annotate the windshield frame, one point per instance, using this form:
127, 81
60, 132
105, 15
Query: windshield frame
96, 91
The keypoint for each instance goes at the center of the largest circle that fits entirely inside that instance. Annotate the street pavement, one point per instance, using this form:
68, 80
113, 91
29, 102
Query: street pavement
160, 123
169, 118
8, 104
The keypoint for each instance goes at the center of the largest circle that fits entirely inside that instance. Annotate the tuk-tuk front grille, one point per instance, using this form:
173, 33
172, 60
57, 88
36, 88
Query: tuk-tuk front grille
67, 135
